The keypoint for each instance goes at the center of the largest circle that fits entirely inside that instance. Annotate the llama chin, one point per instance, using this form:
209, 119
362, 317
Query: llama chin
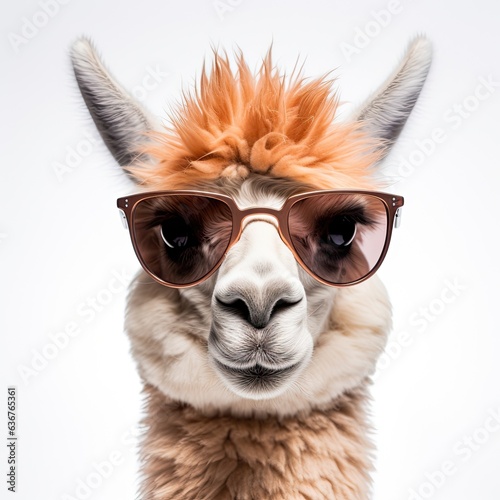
258, 382
256, 377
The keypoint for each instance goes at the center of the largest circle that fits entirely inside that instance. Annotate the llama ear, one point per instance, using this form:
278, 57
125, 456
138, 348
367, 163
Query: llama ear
120, 119
386, 111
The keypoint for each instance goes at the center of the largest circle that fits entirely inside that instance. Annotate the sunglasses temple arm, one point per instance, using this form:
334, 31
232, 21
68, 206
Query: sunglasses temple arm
397, 217
123, 217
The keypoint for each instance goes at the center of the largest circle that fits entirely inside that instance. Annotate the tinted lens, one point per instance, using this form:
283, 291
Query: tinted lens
339, 237
181, 238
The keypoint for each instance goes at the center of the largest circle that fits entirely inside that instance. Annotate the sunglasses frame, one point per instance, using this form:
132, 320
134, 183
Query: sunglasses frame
128, 204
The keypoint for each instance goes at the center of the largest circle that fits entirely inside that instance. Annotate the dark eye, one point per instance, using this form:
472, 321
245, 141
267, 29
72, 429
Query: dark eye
176, 233
340, 231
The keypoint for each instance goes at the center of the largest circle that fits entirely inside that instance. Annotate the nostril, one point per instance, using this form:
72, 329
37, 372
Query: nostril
258, 317
283, 304
238, 306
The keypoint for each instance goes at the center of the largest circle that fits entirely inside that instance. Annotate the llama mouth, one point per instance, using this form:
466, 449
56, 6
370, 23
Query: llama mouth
257, 378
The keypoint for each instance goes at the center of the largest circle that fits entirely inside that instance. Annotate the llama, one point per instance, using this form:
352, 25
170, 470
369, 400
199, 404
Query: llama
256, 210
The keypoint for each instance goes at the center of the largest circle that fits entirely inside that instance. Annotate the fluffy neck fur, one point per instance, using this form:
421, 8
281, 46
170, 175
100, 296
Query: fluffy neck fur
317, 454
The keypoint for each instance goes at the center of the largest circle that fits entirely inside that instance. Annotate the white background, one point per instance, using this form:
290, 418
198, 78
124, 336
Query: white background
62, 242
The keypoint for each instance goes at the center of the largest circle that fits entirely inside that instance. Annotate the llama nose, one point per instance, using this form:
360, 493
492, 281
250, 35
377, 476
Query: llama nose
258, 313
258, 281
258, 305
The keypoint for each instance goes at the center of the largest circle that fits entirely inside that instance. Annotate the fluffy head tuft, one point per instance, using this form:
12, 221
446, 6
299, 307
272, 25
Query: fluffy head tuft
236, 123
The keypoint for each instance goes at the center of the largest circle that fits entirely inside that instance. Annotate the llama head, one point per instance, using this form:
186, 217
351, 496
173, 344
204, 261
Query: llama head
260, 335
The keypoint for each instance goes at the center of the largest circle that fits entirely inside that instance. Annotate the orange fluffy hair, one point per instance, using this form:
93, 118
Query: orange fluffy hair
236, 123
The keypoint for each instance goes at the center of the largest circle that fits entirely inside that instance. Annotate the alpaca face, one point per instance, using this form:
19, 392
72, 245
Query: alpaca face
259, 340
260, 335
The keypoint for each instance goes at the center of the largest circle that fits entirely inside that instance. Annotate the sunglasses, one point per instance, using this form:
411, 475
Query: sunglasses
339, 237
